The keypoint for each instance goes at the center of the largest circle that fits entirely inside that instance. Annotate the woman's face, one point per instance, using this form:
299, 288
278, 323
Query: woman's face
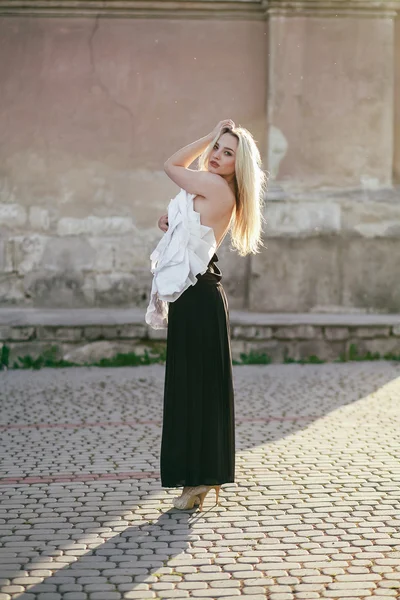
223, 155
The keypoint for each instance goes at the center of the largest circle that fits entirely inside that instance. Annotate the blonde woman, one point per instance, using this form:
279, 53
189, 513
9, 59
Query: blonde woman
198, 435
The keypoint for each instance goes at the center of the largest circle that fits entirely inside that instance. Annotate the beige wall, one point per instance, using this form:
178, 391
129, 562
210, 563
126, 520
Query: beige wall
330, 102
89, 112
90, 109
397, 103
94, 108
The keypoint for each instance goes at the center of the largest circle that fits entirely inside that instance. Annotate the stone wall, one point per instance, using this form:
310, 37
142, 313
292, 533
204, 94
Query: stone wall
333, 231
94, 98
335, 251
89, 111
397, 103
330, 103
88, 336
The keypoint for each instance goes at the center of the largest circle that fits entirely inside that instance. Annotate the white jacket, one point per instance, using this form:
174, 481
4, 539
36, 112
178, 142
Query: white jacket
183, 252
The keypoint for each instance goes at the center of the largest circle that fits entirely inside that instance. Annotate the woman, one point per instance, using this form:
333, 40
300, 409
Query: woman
198, 437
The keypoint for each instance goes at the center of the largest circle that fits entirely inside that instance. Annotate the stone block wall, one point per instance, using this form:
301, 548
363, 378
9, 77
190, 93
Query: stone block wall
90, 108
397, 103
94, 100
90, 261
328, 343
329, 252
280, 337
333, 211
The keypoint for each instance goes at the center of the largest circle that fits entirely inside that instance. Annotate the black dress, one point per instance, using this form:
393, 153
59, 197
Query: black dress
198, 435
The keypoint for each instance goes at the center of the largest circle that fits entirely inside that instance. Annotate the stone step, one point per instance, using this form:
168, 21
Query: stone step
87, 334
129, 316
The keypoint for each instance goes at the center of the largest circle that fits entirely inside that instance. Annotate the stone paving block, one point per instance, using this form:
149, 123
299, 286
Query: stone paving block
258, 581
225, 583
259, 596
366, 576
287, 580
353, 593
99, 587
70, 587
105, 596
45, 587
193, 585
243, 575
162, 586
173, 594
139, 595
207, 576
253, 591
26, 580
281, 566
12, 589
215, 593
308, 587
390, 583
393, 576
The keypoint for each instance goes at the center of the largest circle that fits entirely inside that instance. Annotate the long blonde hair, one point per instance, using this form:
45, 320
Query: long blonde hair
251, 184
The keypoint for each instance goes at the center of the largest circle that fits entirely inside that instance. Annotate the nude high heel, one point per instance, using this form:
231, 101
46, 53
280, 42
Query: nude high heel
194, 496
202, 495
188, 499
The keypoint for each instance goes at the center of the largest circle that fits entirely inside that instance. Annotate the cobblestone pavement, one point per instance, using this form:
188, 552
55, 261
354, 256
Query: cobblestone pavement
314, 511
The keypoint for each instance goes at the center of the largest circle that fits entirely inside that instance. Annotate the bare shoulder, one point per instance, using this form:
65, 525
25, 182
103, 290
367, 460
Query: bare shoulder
218, 201
224, 195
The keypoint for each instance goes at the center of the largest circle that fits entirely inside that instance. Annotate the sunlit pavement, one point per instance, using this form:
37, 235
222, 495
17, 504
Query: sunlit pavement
314, 511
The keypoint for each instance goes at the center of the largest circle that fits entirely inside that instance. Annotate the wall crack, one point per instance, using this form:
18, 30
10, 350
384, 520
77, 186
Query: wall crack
100, 82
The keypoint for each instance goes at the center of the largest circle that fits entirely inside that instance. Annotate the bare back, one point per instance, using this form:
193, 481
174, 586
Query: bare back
216, 212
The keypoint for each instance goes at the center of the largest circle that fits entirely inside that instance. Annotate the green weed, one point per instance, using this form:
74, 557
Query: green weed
50, 358
353, 355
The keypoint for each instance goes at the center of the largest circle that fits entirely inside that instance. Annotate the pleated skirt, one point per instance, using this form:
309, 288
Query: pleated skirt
198, 430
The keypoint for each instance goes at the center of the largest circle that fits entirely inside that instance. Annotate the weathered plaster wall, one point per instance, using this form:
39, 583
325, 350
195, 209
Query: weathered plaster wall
330, 252
333, 234
330, 102
397, 103
89, 111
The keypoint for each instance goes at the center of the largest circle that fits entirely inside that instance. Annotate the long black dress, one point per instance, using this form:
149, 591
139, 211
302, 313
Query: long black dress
198, 435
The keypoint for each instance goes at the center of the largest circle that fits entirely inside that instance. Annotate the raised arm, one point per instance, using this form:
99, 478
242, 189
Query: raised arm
194, 181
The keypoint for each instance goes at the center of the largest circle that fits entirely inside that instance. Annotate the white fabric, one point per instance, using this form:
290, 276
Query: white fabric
182, 253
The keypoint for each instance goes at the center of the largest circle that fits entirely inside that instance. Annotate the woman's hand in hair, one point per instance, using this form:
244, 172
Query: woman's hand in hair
163, 223
225, 123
